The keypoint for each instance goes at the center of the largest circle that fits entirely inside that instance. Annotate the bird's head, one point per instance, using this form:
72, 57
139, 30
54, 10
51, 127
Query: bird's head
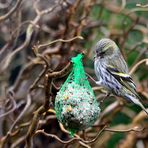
105, 48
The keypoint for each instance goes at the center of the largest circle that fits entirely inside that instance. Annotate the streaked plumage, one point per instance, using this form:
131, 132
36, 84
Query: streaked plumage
112, 72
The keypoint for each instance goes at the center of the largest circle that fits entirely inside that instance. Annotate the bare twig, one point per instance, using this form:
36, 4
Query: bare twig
137, 64
13, 103
59, 40
11, 11
29, 32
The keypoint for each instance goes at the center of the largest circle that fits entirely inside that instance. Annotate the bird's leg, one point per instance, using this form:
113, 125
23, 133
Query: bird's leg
107, 95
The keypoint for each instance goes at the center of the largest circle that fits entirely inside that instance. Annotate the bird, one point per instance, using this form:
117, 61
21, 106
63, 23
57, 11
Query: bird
112, 72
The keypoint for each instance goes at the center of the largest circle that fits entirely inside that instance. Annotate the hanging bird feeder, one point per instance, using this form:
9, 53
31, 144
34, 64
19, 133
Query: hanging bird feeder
75, 104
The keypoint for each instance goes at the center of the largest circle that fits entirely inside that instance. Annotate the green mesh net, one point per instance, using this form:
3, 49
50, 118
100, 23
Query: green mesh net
75, 104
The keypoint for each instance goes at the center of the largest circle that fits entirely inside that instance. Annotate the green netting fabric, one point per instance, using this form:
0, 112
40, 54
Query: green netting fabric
75, 104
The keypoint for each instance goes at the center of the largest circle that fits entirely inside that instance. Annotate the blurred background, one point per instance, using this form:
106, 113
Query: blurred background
30, 49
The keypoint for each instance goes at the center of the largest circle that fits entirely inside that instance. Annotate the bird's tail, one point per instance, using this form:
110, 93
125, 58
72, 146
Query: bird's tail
137, 102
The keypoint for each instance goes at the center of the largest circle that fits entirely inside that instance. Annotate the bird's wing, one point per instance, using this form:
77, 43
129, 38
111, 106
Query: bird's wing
120, 72
123, 78
118, 62
128, 83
